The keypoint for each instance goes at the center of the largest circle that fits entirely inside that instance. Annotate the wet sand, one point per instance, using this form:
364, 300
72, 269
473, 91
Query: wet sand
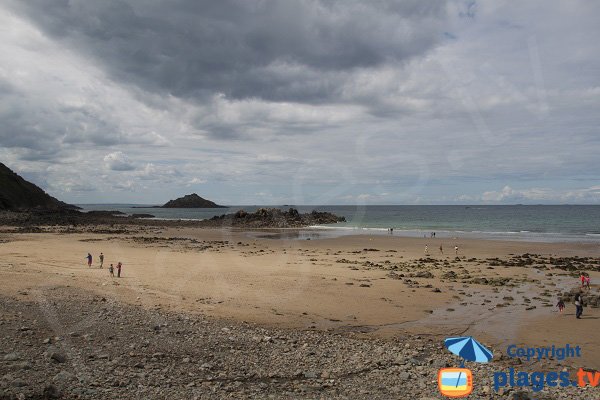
382, 286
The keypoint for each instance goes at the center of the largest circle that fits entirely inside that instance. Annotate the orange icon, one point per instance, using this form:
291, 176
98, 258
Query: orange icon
455, 382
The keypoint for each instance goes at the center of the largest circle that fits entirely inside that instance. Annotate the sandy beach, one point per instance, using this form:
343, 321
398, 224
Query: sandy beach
369, 287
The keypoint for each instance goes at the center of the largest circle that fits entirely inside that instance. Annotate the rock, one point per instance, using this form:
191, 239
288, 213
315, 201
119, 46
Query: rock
240, 214
11, 357
58, 357
310, 375
274, 218
521, 395
64, 377
18, 383
404, 376
142, 215
422, 274
24, 365
51, 392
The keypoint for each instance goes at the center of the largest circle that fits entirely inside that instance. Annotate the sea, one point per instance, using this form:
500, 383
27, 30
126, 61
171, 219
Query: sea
538, 223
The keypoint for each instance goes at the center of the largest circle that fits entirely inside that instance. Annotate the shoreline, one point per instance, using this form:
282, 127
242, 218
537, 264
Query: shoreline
276, 219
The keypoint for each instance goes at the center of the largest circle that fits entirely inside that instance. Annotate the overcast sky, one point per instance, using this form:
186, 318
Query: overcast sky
303, 102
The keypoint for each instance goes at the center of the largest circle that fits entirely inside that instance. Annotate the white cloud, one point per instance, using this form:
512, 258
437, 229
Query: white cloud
543, 195
118, 161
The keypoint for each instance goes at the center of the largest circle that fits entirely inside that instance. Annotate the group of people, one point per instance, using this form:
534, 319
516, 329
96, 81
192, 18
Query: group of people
111, 269
585, 281
585, 284
578, 305
441, 250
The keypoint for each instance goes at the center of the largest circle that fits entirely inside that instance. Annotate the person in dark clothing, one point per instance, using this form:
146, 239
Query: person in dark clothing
119, 266
560, 305
578, 305
89, 259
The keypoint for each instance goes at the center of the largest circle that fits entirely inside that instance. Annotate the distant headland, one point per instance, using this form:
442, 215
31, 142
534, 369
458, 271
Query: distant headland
18, 194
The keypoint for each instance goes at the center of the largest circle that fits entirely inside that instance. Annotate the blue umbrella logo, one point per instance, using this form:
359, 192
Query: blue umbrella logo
468, 349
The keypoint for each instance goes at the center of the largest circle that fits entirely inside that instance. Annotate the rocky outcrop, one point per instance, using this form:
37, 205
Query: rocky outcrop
275, 218
18, 194
191, 201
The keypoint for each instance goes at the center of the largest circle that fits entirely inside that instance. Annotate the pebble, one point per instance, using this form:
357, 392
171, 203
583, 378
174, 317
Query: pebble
11, 357
58, 357
218, 359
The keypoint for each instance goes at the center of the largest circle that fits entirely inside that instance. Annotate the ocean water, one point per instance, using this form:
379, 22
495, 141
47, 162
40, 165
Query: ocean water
547, 223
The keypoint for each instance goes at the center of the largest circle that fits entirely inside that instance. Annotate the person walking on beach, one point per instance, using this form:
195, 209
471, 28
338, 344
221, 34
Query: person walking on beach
426, 250
89, 258
560, 305
111, 270
582, 278
101, 257
119, 266
578, 305
456, 250
441, 249
588, 282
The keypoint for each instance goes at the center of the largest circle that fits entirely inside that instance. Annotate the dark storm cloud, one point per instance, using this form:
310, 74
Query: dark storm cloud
281, 101
271, 49
42, 129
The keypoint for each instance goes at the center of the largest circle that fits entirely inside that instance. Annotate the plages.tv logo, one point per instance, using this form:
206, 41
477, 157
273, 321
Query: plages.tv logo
458, 382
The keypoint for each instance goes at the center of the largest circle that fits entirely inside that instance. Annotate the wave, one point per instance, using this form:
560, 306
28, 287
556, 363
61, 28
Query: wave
173, 219
348, 228
474, 234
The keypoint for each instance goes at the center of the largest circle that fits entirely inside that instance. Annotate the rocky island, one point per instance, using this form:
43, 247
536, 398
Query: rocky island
191, 201
275, 218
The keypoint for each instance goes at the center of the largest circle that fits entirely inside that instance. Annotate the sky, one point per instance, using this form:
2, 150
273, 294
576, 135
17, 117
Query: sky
303, 102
